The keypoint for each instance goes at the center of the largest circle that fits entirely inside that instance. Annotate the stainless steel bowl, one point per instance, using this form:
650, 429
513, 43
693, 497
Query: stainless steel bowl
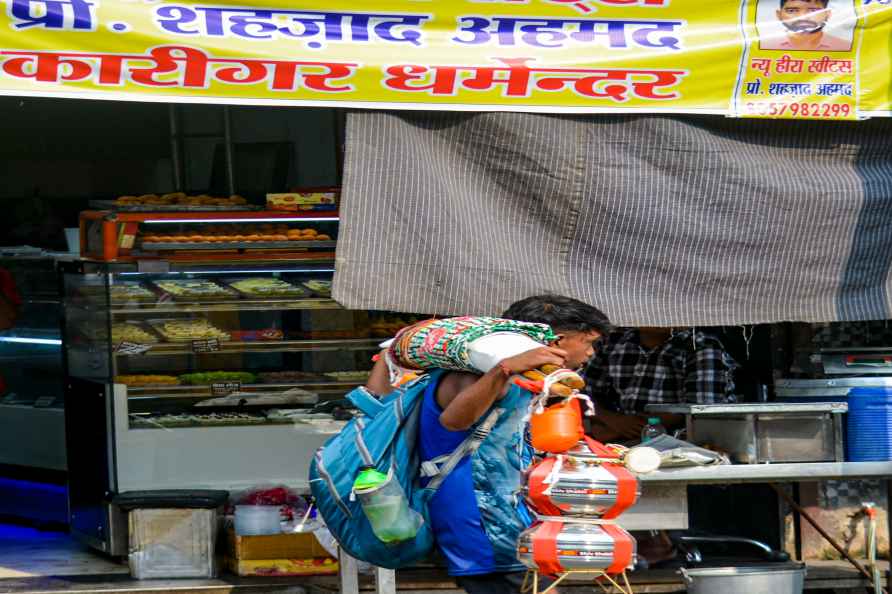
787, 578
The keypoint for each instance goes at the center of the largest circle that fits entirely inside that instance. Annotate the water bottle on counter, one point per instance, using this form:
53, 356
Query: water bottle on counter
653, 429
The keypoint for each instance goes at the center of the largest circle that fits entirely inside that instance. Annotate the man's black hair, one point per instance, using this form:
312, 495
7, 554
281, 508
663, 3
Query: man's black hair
824, 3
561, 313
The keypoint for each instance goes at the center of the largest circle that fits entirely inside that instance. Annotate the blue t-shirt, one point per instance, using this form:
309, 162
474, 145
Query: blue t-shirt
478, 513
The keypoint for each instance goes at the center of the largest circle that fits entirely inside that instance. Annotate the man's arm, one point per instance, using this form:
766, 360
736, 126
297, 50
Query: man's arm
465, 397
708, 375
379, 379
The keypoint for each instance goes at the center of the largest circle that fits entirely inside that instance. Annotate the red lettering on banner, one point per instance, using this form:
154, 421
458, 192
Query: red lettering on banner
787, 64
440, 80
827, 64
176, 66
168, 60
762, 64
620, 83
518, 79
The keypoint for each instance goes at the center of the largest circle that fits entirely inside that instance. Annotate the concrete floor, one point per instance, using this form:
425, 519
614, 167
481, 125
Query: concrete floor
36, 562
27, 552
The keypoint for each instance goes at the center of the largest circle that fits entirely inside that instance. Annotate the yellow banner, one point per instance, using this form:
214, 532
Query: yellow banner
806, 59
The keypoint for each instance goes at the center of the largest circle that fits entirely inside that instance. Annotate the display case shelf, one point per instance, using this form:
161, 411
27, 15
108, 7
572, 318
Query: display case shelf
258, 346
233, 305
117, 236
324, 428
206, 391
238, 245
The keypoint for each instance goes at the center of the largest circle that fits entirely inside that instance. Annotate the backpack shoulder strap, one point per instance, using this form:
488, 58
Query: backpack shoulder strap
371, 405
365, 401
468, 446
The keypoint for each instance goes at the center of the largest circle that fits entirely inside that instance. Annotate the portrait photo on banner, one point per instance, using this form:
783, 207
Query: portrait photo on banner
806, 25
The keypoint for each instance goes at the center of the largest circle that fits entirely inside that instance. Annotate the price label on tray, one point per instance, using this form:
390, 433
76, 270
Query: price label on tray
225, 388
131, 348
207, 345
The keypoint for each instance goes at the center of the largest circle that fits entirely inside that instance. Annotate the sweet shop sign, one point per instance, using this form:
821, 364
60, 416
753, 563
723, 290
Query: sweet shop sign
806, 59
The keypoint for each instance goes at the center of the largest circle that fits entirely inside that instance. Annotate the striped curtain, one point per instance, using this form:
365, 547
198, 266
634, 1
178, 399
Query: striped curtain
656, 220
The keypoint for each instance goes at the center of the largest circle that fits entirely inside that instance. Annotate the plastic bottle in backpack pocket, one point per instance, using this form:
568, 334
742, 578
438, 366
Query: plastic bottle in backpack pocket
386, 507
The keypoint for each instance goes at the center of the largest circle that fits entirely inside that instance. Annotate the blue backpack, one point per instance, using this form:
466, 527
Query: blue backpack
384, 437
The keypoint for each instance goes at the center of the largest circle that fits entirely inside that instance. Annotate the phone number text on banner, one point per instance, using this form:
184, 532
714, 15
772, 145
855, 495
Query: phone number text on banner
812, 59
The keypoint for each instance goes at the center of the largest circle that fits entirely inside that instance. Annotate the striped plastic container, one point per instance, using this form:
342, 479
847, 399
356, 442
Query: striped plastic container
869, 436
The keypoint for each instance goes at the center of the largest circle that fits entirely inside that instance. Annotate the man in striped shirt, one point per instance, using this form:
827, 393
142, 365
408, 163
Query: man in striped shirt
641, 366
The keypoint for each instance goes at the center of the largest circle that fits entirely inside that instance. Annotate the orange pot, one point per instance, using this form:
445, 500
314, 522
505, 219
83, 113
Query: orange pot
558, 428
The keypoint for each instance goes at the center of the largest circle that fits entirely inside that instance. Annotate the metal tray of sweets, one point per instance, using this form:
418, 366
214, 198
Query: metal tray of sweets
159, 327
213, 292
112, 205
285, 291
238, 245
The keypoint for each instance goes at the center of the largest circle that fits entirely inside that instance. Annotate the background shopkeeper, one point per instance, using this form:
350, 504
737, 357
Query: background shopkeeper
636, 367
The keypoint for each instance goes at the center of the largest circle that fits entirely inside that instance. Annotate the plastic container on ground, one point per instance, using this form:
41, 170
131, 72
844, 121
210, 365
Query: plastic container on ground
255, 520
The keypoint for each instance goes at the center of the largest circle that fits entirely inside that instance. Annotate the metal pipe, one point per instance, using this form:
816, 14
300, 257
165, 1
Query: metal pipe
871, 512
385, 581
797, 523
348, 573
176, 150
798, 508
227, 147
722, 540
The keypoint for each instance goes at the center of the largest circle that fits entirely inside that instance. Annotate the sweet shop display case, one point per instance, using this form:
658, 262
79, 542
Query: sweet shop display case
199, 376
196, 373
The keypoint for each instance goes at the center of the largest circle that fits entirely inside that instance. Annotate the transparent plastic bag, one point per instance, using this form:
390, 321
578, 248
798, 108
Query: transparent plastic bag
387, 510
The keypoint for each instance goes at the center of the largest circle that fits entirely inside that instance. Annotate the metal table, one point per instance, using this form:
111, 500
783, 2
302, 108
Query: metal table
780, 473
772, 473
664, 504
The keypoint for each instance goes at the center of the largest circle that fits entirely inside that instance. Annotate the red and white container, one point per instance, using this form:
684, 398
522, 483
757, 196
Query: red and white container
580, 484
554, 547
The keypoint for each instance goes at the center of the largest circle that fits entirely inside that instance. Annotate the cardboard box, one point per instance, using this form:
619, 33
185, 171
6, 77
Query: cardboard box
278, 554
299, 200
284, 567
275, 546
